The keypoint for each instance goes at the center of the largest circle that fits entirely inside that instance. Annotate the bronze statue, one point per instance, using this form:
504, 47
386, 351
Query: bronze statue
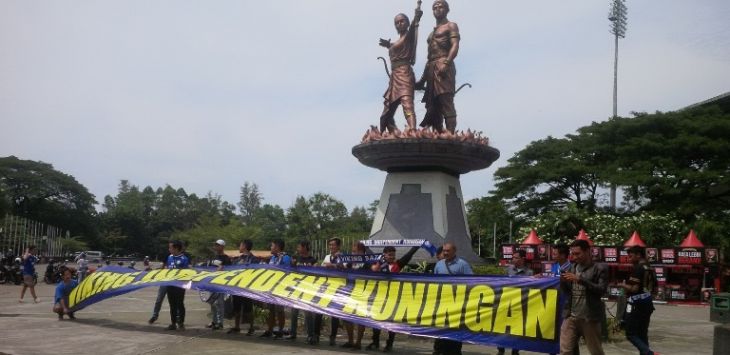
439, 75
402, 82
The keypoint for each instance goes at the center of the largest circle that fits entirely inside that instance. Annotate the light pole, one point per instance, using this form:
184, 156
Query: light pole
617, 16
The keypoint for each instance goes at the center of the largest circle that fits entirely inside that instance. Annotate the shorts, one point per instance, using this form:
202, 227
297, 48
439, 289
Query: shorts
28, 280
243, 304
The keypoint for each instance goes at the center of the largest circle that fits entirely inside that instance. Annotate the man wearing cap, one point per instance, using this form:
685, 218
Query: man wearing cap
217, 304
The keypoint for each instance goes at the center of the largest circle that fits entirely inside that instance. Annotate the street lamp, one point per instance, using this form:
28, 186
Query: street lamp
617, 16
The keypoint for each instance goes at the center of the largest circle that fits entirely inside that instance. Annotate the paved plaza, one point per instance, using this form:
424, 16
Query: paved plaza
119, 326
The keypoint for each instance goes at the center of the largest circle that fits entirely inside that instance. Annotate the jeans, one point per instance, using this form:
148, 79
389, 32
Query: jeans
161, 293
636, 324
218, 307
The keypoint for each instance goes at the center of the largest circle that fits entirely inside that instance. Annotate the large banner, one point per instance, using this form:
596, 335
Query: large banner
514, 312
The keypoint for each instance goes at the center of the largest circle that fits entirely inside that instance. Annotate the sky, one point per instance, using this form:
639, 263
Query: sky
206, 95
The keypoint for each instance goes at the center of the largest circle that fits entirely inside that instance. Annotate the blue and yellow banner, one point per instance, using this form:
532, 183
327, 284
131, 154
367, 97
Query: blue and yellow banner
513, 312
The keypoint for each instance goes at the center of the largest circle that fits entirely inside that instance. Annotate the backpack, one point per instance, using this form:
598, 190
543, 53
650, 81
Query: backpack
651, 284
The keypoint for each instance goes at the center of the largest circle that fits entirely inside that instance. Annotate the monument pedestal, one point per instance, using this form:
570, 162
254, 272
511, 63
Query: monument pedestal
422, 197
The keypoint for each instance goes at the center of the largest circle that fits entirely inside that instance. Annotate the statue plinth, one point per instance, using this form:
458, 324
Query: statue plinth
422, 197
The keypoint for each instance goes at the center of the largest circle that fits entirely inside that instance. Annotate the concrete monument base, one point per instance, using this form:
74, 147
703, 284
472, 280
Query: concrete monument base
422, 197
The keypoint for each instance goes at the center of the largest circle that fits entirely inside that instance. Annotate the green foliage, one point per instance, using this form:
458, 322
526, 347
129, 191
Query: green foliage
548, 174
200, 238
37, 191
488, 269
672, 169
482, 215
74, 244
250, 201
606, 228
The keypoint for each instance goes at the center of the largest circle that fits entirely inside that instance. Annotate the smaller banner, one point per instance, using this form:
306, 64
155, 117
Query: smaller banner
421, 243
358, 258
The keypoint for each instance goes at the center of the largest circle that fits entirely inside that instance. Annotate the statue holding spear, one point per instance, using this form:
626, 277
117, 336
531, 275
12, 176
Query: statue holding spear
402, 82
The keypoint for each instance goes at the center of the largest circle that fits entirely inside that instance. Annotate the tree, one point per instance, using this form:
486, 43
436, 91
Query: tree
37, 191
482, 216
548, 174
271, 220
250, 201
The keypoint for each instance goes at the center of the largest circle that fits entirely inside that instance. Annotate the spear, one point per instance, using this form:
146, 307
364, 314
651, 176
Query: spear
415, 34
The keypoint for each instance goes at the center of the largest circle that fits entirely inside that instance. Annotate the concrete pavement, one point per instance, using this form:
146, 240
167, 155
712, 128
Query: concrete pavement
119, 326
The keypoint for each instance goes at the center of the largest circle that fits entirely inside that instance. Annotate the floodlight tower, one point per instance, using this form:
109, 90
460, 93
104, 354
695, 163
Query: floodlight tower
617, 16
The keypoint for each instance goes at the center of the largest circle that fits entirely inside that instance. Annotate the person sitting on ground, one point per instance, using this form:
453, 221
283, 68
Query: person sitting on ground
243, 306
63, 290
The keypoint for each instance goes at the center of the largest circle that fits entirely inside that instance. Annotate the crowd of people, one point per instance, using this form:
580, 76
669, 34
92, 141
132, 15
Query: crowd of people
583, 282
243, 307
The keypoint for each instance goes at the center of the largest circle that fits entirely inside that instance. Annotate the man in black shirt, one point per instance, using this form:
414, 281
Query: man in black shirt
243, 306
313, 322
639, 306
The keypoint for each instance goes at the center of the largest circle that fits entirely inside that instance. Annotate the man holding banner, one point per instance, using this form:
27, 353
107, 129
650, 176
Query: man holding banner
176, 295
587, 282
330, 261
450, 265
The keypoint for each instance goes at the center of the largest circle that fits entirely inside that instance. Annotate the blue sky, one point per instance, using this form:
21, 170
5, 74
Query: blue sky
205, 95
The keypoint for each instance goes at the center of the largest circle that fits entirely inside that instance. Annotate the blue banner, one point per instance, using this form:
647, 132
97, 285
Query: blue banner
512, 312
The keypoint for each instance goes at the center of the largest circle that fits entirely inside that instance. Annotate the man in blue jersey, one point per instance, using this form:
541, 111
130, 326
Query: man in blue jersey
276, 313
63, 290
176, 295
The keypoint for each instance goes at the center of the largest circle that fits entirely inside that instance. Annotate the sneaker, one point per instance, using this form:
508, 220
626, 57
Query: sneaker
278, 335
71, 316
181, 327
217, 327
266, 334
152, 319
372, 346
250, 332
171, 327
36, 300
233, 330
210, 325
332, 341
347, 345
388, 348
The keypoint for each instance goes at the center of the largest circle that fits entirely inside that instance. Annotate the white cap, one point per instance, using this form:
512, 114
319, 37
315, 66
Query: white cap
221, 242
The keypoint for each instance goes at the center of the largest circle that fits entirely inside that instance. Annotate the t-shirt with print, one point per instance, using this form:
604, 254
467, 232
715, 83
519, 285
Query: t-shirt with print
280, 259
578, 306
29, 265
177, 262
306, 261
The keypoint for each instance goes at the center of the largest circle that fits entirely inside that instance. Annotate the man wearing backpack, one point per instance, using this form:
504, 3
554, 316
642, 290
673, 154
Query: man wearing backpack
639, 288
